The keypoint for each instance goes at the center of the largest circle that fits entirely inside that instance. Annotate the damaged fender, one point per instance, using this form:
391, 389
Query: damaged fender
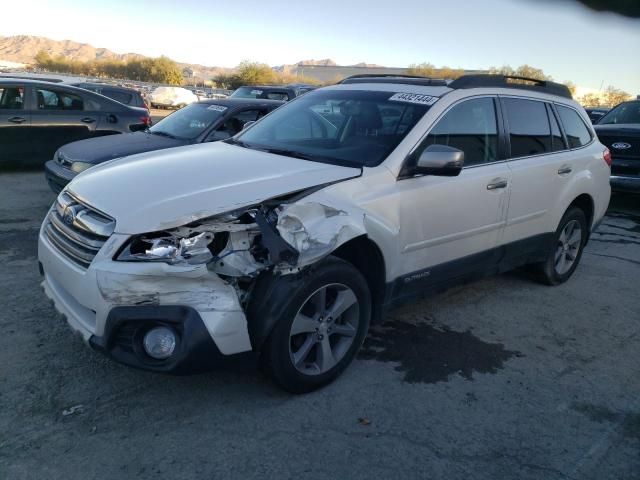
315, 230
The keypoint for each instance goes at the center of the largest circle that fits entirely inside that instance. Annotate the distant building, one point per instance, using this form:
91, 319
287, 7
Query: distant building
328, 73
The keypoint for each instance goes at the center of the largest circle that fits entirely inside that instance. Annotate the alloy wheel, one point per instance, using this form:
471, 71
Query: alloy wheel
324, 329
569, 243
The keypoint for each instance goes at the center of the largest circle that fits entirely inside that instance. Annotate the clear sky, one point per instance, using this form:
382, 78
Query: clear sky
563, 38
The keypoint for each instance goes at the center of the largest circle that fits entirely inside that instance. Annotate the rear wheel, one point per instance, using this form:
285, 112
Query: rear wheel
324, 323
565, 252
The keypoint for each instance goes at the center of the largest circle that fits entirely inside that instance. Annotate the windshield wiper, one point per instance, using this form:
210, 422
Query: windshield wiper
163, 134
289, 153
233, 141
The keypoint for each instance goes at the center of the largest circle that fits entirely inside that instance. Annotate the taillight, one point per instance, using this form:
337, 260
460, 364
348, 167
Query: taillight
146, 121
606, 156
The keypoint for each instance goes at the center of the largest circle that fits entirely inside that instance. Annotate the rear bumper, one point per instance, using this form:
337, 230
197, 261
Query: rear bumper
57, 176
620, 183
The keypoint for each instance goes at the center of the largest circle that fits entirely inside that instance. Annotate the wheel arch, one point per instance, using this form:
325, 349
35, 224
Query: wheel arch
270, 292
364, 254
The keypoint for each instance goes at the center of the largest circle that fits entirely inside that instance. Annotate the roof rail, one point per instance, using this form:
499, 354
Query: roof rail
393, 78
511, 81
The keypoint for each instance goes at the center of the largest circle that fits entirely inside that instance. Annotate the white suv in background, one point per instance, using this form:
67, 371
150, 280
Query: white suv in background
292, 237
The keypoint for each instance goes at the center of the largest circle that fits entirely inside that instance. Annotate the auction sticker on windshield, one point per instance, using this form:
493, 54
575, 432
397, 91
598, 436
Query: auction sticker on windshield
413, 98
216, 108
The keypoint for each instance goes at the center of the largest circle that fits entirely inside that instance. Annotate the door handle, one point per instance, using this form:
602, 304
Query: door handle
17, 119
497, 184
88, 120
563, 170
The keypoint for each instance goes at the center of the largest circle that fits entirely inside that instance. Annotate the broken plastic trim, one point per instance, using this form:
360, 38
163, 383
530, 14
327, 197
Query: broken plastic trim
279, 250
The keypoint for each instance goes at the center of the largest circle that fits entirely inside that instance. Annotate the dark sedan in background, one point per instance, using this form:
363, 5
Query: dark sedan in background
128, 96
36, 118
596, 113
272, 92
206, 121
619, 130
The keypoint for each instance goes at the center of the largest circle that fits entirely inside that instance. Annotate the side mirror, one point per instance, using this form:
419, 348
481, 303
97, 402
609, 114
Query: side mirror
248, 124
440, 160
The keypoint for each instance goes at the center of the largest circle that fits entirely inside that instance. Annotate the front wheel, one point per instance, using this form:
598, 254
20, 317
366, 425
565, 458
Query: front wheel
566, 250
322, 327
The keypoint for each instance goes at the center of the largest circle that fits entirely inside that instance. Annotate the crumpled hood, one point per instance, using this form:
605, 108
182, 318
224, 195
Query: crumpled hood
169, 188
101, 149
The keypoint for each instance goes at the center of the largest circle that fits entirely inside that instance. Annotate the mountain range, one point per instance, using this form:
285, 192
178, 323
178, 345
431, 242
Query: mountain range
23, 49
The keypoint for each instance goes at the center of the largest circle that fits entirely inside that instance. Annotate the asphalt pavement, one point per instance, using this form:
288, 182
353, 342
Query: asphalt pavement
499, 379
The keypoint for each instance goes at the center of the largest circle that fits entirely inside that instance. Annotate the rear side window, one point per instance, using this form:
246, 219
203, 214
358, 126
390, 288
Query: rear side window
58, 100
11, 98
557, 142
122, 97
529, 130
469, 126
578, 134
277, 96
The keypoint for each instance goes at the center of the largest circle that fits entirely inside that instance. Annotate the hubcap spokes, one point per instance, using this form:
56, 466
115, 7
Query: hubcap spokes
568, 247
323, 329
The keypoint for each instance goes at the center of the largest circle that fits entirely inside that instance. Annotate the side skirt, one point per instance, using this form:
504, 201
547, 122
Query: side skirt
439, 278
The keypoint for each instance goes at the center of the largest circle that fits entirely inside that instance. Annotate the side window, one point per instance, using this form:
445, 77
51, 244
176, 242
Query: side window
118, 96
529, 129
574, 128
470, 126
277, 96
57, 100
233, 125
557, 142
11, 98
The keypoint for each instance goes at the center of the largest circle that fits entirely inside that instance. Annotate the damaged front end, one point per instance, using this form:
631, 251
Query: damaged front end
242, 244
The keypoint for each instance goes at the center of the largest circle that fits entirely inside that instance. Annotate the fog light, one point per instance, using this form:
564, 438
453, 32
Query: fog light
159, 342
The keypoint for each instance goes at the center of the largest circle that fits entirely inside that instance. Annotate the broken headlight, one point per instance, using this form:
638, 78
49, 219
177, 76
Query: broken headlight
169, 248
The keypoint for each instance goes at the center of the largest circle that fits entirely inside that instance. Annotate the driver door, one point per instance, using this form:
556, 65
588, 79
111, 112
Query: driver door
450, 226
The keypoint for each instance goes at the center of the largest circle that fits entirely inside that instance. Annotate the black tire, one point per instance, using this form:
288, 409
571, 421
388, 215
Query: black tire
547, 271
277, 355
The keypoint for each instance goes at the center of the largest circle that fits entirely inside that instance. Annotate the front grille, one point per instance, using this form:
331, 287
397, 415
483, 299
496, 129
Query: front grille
77, 230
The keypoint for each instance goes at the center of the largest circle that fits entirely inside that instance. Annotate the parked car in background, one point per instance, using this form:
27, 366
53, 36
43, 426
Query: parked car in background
172, 97
270, 92
596, 113
205, 121
291, 237
619, 130
36, 118
127, 96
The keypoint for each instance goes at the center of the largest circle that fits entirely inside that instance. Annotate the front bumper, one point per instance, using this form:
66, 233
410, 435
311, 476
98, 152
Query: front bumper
57, 176
113, 302
621, 183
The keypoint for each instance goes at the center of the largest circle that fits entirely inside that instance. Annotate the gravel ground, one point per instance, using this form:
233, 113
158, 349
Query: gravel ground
502, 378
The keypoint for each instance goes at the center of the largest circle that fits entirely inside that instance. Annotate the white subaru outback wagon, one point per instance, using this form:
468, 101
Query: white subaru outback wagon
291, 238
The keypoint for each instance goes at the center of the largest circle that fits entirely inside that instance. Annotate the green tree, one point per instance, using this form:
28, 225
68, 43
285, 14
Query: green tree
254, 73
522, 71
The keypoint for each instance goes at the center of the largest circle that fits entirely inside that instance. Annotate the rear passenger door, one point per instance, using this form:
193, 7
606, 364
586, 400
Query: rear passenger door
59, 117
15, 144
539, 169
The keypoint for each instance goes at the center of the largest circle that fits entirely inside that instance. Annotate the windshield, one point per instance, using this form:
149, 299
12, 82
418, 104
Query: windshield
624, 113
346, 127
189, 122
248, 92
